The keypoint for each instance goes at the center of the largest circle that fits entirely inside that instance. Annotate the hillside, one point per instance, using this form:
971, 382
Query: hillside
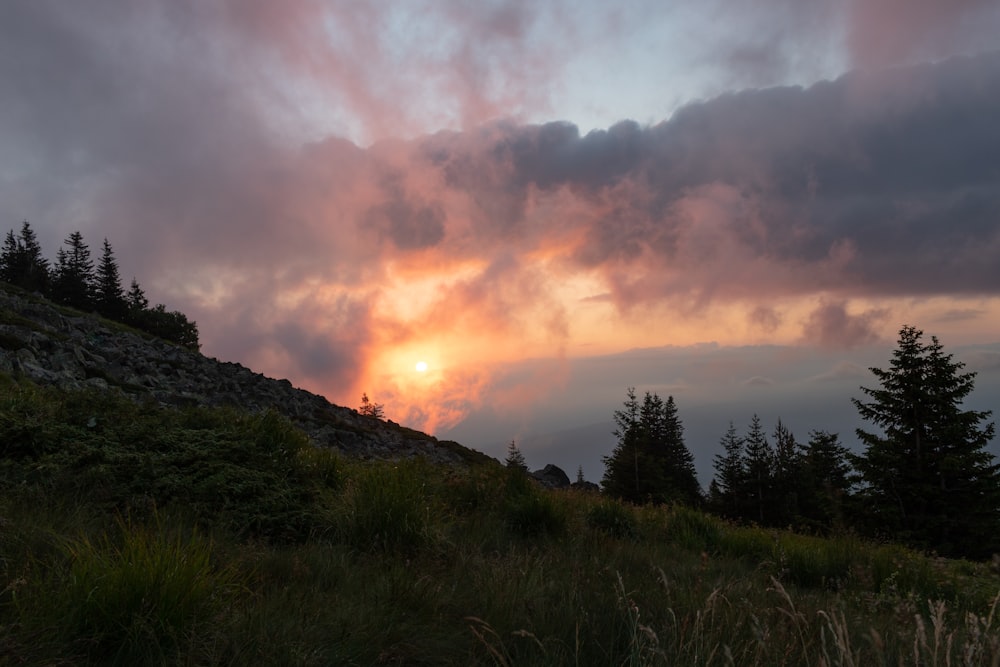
64, 348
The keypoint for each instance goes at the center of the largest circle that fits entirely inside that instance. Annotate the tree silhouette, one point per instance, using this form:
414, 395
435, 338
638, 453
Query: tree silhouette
650, 461
730, 475
370, 409
928, 479
22, 263
759, 462
73, 277
109, 296
515, 459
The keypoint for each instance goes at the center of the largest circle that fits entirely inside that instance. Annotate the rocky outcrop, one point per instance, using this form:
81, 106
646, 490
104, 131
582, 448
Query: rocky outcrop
552, 476
57, 346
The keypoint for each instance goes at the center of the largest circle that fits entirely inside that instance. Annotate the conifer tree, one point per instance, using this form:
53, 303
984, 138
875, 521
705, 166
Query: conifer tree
621, 468
515, 459
109, 295
680, 478
370, 408
651, 461
730, 475
73, 278
22, 263
759, 462
928, 479
786, 476
9, 258
135, 302
826, 479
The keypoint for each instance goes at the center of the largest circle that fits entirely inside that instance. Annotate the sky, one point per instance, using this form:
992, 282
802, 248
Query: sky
735, 203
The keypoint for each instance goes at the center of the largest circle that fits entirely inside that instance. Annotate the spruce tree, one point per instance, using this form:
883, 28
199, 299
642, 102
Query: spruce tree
759, 463
621, 468
651, 461
928, 479
786, 477
826, 479
109, 295
680, 478
9, 258
515, 459
22, 263
730, 475
73, 278
135, 303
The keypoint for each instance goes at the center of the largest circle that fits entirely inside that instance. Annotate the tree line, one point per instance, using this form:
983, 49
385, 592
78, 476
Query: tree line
923, 478
74, 280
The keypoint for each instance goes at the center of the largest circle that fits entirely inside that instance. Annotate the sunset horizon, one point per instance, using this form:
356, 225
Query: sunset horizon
466, 211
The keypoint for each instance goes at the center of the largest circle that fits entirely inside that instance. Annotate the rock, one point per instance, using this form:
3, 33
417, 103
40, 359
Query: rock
552, 476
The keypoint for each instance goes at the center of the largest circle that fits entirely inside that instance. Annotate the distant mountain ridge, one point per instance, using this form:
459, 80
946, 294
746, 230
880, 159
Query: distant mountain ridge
62, 347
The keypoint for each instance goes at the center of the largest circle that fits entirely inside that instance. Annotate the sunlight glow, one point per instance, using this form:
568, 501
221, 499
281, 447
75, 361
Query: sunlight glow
421, 367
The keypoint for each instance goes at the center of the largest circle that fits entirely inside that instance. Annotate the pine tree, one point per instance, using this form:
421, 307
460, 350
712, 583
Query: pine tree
651, 461
73, 278
135, 302
621, 468
928, 479
22, 263
9, 259
730, 475
759, 463
786, 476
826, 479
515, 459
109, 297
370, 409
680, 478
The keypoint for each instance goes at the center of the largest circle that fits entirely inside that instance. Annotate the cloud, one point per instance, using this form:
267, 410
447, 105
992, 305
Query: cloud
842, 370
207, 142
830, 325
882, 33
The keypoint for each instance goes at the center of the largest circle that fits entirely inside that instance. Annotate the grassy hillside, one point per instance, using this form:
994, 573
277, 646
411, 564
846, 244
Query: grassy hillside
133, 534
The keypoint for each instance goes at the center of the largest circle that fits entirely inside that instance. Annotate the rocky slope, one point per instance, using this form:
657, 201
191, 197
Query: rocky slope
58, 346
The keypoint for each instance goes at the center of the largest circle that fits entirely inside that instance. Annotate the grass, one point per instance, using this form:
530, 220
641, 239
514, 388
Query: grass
137, 535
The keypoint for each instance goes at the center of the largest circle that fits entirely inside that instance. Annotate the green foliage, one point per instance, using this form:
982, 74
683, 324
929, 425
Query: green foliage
527, 510
928, 479
173, 325
411, 563
515, 459
132, 597
650, 463
613, 518
220, 465
385, 507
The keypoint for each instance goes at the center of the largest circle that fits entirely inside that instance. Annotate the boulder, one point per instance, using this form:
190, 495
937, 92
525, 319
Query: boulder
552, 476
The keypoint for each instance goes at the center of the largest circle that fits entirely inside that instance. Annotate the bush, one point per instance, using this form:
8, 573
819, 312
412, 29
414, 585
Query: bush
529, 511
612, 518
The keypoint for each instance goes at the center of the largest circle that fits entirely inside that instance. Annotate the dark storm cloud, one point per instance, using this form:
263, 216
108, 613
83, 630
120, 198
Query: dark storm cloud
892, 178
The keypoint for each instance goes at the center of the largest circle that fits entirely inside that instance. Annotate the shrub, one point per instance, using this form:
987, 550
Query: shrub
612, 518
527, 510
693, 530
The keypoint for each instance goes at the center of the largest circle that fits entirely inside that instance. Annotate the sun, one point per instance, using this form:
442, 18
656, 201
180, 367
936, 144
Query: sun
421, 367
